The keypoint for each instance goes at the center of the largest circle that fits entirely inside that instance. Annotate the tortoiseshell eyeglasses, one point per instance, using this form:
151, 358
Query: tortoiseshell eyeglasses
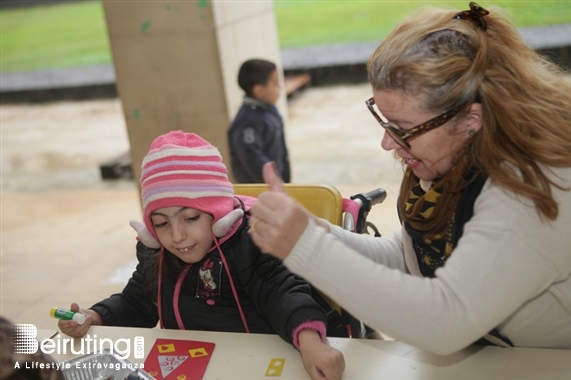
402, 136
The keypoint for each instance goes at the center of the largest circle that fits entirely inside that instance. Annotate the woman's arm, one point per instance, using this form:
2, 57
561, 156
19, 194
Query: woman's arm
385, 251
499, 265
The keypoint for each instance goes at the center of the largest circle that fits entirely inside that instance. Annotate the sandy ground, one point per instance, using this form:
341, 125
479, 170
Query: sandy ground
64, 231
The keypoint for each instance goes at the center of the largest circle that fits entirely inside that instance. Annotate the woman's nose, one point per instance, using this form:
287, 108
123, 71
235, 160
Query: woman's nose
388, 143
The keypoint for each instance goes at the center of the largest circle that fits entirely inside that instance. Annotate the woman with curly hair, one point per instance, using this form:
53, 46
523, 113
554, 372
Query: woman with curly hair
482, 125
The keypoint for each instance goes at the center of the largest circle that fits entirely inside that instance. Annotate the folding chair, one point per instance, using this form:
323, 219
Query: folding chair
325, 202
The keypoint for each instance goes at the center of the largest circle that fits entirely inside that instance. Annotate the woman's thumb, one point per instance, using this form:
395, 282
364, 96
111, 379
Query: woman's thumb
272, 177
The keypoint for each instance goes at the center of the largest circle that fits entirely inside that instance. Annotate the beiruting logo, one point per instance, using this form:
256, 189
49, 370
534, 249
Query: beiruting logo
25, 342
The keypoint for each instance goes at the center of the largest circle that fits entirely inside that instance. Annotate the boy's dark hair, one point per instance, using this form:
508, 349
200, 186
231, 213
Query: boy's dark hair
253, 72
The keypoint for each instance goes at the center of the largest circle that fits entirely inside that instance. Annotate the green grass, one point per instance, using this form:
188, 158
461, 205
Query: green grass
336, 21
54, 36
74, 34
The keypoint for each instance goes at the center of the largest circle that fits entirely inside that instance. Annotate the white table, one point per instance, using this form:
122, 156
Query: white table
247, 356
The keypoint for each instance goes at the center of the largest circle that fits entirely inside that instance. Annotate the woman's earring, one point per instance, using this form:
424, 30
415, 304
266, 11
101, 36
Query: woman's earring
471, 133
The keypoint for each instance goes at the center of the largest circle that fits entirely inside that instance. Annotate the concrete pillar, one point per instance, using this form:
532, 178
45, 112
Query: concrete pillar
176, 64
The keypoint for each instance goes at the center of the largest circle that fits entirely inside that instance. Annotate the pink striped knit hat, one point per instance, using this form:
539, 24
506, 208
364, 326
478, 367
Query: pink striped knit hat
183, 169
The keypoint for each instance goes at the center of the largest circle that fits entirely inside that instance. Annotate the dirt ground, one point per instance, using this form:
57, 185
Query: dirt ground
331, 136
64, 231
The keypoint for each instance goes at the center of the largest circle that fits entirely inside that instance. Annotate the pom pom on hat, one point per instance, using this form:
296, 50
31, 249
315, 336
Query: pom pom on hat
182, 169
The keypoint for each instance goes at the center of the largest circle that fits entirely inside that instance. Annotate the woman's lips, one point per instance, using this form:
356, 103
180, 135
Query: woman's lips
413, 162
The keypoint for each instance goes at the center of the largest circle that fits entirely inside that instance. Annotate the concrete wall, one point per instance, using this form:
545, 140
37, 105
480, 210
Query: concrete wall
176, 64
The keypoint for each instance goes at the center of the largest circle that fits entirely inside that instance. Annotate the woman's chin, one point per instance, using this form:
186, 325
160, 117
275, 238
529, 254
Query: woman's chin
421, 173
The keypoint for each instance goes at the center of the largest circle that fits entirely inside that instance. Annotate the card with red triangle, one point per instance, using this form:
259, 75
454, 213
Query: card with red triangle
178, 359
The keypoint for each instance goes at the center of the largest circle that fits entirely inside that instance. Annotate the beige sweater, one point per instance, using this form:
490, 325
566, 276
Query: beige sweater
509, 270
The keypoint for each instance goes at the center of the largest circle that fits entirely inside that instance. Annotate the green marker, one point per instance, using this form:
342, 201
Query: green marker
67, 315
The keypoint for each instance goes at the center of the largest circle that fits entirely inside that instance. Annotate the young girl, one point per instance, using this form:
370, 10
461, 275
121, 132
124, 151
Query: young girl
198, 268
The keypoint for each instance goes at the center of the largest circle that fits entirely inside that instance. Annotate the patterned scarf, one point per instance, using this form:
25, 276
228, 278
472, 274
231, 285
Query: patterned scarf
435, 219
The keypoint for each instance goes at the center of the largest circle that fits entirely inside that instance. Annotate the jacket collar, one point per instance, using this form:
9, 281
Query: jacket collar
255, 102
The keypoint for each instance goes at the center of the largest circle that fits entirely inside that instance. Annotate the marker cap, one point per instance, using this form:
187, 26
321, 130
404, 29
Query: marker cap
79, 318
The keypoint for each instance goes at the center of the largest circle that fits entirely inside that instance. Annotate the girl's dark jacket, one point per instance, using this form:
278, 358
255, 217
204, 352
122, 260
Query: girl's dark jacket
273, 299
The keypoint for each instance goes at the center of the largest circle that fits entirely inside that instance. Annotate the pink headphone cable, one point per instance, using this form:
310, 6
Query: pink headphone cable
176, 311
159, 303
232, 285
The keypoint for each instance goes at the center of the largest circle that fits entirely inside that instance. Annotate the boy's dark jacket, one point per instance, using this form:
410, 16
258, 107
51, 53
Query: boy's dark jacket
273, 299
255, 137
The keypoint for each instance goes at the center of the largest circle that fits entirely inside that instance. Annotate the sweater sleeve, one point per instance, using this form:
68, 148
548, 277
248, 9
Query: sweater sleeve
385, 251
506, 259
135, 306
282, 298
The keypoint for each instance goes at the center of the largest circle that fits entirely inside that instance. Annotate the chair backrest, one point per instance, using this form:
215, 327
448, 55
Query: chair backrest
324, 201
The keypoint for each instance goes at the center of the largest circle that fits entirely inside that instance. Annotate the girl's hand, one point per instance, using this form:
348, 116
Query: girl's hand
75, 330
321, 361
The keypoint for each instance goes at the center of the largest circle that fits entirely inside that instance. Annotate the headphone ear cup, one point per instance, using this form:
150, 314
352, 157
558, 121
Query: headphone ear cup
223, 225
145, 236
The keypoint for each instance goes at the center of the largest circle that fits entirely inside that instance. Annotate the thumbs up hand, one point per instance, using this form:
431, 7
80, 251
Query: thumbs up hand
272, 177
277, 221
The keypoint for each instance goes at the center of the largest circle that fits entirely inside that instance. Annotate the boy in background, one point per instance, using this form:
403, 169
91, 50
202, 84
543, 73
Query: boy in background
256, 136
